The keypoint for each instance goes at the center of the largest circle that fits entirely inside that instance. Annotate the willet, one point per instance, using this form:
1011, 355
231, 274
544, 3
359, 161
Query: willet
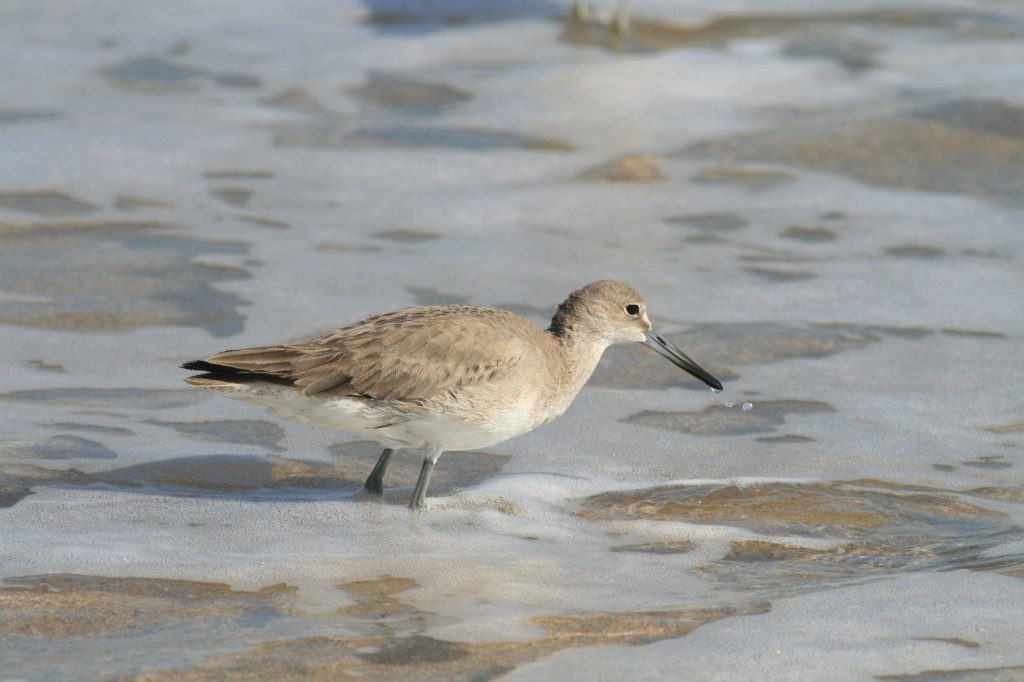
436, 378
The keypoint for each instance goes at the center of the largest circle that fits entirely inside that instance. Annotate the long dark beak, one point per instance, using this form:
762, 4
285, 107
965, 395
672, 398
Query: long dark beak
663, 347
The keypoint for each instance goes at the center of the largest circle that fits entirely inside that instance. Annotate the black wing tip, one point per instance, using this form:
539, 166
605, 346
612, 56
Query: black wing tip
233, 374
205, 366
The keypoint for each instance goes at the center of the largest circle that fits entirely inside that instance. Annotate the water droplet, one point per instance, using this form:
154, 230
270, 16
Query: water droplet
729, 404
747, 407
716, 390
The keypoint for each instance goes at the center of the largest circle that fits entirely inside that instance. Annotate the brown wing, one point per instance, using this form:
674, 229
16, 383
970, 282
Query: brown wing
410, 354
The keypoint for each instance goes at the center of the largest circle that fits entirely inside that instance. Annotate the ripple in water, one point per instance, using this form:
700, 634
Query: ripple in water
879, 532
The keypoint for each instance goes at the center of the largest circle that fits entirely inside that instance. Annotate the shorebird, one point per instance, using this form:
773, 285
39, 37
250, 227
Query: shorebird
437, 378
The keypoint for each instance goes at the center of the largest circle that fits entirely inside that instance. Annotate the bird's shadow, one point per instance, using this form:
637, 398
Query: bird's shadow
259, 478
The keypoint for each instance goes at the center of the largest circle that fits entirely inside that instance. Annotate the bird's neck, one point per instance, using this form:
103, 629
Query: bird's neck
580, 355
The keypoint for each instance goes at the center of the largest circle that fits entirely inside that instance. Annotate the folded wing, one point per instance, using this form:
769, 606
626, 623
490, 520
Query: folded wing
404, 355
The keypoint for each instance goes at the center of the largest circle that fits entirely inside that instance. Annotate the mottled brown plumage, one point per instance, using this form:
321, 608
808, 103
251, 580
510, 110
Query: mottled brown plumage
382, 357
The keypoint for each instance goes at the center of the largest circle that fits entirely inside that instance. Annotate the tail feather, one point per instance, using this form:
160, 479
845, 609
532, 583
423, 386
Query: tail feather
215, 373
204, 366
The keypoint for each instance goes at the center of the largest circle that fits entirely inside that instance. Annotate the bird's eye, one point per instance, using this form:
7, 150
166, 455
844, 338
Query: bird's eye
632, 309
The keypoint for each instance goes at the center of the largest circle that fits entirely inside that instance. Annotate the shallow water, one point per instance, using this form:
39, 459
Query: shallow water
820, 202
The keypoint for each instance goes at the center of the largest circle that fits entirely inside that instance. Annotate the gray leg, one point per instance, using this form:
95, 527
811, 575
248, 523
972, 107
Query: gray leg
375, 482
420, 492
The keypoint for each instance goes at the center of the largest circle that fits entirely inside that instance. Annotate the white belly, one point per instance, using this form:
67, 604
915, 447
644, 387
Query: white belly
393, 425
